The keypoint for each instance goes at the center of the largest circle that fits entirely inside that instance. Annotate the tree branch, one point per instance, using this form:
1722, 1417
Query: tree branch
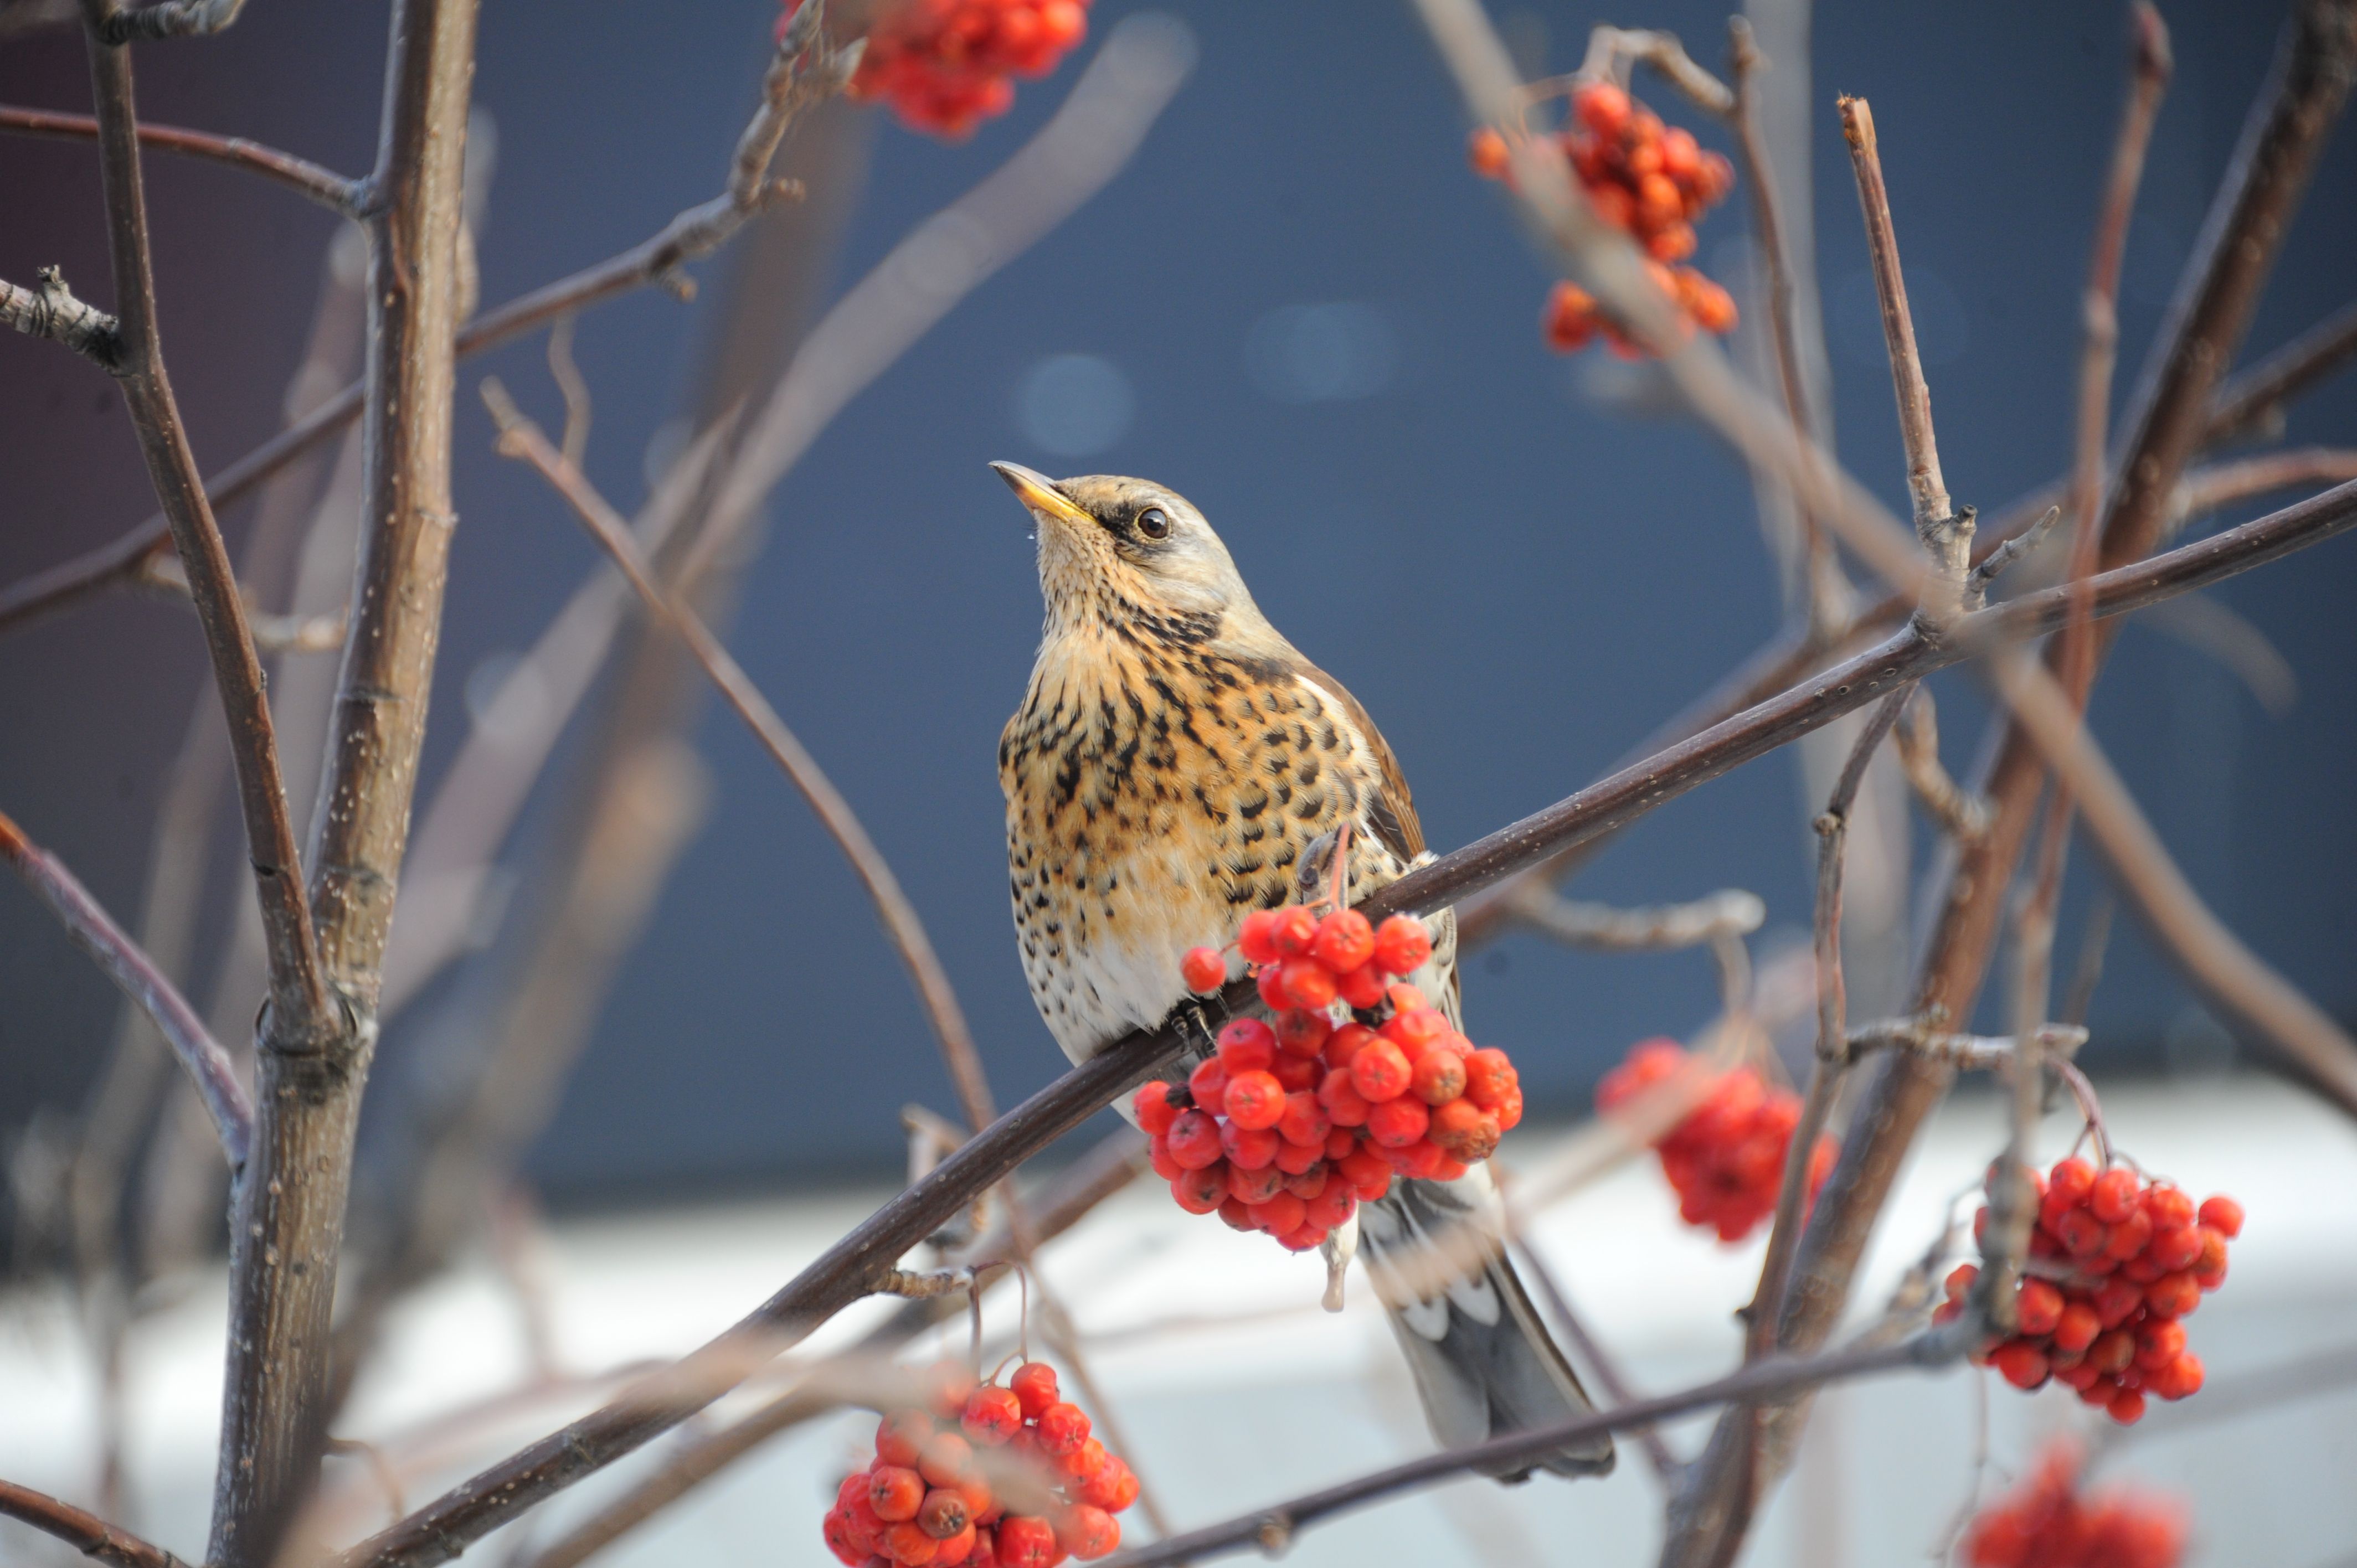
1603, 929
287, 1238
520, 438
173, 19
85, 1532
2256, 397
306, 178
48, 310
137, 976
446, 1527
794, 82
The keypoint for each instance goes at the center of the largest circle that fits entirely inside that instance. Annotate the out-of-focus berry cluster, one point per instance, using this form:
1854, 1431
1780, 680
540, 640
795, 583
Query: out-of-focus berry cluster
990, 1476
1289, 1124
1650, 181
2047, 1522
2116, 1263
945, 66
1726, 1159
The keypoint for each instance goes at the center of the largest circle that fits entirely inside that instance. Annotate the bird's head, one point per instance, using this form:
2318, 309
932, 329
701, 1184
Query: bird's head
1111, 546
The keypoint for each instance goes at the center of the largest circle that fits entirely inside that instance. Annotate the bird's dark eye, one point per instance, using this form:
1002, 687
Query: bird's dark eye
1154, 523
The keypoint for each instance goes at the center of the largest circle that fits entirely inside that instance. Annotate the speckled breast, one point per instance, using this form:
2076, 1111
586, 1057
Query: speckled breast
1153, 796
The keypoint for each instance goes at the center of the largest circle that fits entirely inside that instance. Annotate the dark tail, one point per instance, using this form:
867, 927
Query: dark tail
1484, 1364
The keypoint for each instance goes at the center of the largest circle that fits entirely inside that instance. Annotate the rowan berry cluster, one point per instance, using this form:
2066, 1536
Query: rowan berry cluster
2045, 1522
2116, 1263
1652, 181
991, 1477
945, 66
1289, 1125
1726, 1159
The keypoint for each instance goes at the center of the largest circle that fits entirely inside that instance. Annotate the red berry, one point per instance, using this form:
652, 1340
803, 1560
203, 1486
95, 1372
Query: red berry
1246, 1044
1153, 1107
1256, 938
1194, 1140
2168, 1207
907, 1542
991, 1415
1509, 1112
1363, 987
2037, 1308
1294, 1073
1208, 1085
1416, 1029
1034, 1384
1369, 1175
1300, 1033
1204, 970
1437, 1077
2114, 1195
1269, 983
2223, 1215
2129, 1236
1344, 941
1486, 151
1254, 1100
2116, 1301
1084, 1461
1159, 1155
2083, 1234
1062, 1428
1307, 983
2112, 1352
1249, 1148
1294, 928
1344, 1043
902, 1435
2172, 1295
1112, 1489
2021, 1363
1397, 1122
1402, 945
1305, 1121
1333, 1205
1087, 1533
1602, 107
948, 1459
1257, 1184
894, 1491
1464, 1130
1281, 1213
2126, 1407
1026, 1541
1379, 1071
2160, 1341
1488, 1075
942, 1514
2179, 1247
1200, 1191
1341, 1100
2077, 1328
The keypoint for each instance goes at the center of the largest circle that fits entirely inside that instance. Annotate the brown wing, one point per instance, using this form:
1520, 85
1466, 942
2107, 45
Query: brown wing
1393, 811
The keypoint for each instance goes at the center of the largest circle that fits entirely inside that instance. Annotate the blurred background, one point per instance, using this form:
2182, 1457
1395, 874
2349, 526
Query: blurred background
632, 966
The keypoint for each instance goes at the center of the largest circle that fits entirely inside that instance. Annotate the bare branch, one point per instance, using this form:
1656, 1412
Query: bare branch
48, 310
445, 1527
173, 19
1971, 1052
1272, 1528
306, 178
795, 82
1611, 51
1945, 535
95, 933
2256, 397
519, 437
1605, 929
1955, 809
85, 1532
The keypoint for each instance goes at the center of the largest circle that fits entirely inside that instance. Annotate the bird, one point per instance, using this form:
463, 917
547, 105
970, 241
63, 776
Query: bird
1176, 764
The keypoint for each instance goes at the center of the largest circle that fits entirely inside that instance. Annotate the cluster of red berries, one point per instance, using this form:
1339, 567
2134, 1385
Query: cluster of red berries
2046, 1523
2117, 1262
1288, 1126
1726, 1159
1650, 181
944, 1480
945, 66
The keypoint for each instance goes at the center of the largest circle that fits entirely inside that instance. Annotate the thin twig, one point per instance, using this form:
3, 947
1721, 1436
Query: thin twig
306, 178
85, 1532
445, 1527
2089, 971
1977, 1052
2256, 396
1605, 929
173, 19
519, 437
48, 310
1956, 809
1599, 1361
1945, 536
802, 73
135, 974
1272, 1528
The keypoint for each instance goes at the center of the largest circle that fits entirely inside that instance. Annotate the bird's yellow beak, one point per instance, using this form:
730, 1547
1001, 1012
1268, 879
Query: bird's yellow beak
1038, 492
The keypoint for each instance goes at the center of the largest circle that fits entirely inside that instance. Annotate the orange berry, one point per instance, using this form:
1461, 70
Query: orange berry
1402, 945
2037, 1308
1294, 928
1152, 1107
2114, 1195
943, 1513
1063, 1427
2126, 1407
1249, 1148
1344, 941
894, 1491
1437, 1077
1465, 1130
1307, 983
1087, 1531
1254, 1100
1026, 1540
1204, 970
1200, 1191
1397, 1122
1602, 107
1034, 1385
2223, 1215
1256, 938
1084, 1461
1379, 1071
1486, 151
1194, 1141
902, 1435
2021, 1363
947, 1460
991, 1415
1300, 1033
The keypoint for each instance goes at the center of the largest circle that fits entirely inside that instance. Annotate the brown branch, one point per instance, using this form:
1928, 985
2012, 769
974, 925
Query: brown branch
519, 437
135, 974
1958, 812
288, 1234
1096, 1175
1945, 535
795, 82
1272, 1528
298, 997
85, 1532
173, 19
306, 178
446, 1527
2256, 396
1603, 929
48, 310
